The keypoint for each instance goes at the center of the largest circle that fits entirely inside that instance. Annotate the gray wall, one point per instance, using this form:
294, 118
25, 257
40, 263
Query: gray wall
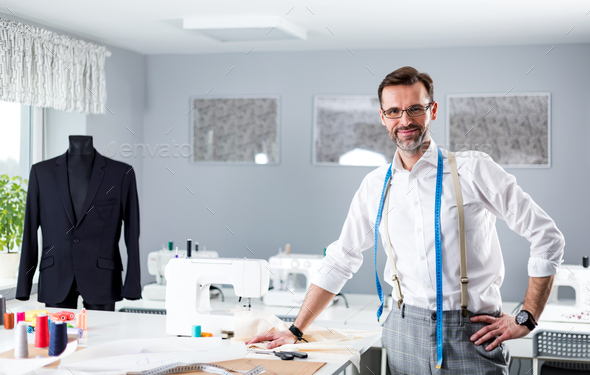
59, 125
295, 202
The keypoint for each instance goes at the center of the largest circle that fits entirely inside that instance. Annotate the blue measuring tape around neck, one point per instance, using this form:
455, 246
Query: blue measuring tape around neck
438, 242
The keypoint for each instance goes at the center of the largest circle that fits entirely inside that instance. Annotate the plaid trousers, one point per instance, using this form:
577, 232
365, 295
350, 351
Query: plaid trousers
409, 336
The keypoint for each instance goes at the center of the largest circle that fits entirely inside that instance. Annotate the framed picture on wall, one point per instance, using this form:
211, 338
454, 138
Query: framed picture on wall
514, 129
235, 130
348, 131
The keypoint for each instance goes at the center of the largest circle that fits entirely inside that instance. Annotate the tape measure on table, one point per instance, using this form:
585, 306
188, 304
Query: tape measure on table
177, 367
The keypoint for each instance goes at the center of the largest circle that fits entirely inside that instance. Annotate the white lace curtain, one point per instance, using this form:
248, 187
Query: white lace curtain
45, 69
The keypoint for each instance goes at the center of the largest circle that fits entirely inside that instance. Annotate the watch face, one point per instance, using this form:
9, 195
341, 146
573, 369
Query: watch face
522, 317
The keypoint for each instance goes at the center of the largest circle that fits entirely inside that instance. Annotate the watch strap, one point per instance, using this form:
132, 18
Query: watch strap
297, 332
530, 323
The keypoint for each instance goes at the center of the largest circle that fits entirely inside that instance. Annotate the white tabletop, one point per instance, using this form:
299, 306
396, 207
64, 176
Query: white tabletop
105, 327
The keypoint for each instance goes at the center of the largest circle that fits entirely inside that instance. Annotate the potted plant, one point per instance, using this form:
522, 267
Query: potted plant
13, 198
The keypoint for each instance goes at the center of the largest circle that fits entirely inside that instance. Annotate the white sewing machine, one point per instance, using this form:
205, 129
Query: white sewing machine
287, 288
576, 277
156, 264
187, 291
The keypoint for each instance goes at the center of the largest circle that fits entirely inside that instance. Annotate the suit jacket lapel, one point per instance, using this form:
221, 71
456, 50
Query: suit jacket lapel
61, 173
95, 180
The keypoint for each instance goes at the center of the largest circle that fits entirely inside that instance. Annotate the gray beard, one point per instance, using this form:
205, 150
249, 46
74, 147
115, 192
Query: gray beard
412, 146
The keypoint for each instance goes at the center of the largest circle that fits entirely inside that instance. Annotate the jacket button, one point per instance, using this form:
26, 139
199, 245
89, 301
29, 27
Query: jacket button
433, 316
76, 240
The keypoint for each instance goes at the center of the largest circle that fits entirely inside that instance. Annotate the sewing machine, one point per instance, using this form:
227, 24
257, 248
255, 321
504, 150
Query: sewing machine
285, 270
156, 264
187, 291
576, 277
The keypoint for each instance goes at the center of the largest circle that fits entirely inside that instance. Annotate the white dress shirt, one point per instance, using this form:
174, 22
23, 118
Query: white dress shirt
488, 192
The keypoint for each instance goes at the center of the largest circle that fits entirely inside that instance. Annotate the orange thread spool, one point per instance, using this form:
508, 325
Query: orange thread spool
8, 320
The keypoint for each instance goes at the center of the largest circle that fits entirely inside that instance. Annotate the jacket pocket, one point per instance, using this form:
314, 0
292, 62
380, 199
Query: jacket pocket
46, 262
108, 202
108, 264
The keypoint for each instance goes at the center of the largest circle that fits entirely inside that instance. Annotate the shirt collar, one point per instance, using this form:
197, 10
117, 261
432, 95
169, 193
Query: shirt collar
430, 156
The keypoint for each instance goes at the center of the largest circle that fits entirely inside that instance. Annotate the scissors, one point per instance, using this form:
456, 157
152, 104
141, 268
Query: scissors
286, 356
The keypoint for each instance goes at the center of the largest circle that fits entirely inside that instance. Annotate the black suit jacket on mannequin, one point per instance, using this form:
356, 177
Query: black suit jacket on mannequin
89, 248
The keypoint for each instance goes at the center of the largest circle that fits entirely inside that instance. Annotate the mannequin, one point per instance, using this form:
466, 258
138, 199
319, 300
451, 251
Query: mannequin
84, 203
80, 159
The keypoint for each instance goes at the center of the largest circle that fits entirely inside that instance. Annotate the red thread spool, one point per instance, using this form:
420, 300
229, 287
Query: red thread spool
8, 320
42, 332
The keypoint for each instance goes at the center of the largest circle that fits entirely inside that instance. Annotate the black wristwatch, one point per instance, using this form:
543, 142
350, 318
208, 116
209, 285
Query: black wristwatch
525, 318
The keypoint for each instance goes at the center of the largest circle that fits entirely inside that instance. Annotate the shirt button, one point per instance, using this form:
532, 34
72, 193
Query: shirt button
416, 203
413, 177
76, 240
419, 230
427, 286
433, 306
422, 257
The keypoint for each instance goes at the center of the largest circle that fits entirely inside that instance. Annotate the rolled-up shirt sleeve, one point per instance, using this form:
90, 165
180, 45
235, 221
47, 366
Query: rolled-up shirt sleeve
501, 195
344, 256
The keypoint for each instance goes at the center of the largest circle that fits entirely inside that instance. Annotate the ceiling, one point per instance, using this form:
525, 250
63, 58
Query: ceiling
156, 26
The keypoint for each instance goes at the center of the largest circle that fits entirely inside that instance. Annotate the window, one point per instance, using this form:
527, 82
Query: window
15, 125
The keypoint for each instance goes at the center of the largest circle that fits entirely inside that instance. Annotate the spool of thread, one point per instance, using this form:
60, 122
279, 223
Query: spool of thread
75, 332
82, 320
20, 317
196, 331
8, 320
170, 245
2, 308
41, 332
59, 339
30, 329
21, 347
585, 262
206, 334
189, 247
288, 249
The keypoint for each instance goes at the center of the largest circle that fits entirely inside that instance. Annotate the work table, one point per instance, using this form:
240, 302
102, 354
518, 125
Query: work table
105, 327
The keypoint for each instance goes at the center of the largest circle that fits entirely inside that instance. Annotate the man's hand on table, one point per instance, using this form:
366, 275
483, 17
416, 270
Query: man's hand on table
276, 339
502, 328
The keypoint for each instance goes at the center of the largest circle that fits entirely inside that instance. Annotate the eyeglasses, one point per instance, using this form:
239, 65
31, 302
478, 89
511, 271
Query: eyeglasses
413, 111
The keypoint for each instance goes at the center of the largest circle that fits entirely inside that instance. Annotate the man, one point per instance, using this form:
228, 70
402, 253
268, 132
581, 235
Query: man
470, 343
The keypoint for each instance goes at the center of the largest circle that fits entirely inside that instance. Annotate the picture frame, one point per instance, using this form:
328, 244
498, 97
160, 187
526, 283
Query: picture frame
514, 129
347, 130
235, 130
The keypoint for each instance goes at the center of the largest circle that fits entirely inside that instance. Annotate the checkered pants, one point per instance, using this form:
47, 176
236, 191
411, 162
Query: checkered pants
409, 335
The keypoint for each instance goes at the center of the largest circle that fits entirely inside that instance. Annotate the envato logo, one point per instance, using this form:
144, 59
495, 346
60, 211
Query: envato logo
162, 150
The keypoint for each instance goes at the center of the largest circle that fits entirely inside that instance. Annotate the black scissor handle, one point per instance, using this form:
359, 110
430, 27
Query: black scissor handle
285, 356
298, 354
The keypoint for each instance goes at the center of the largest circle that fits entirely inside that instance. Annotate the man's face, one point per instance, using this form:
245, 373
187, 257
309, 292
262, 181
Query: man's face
408, 133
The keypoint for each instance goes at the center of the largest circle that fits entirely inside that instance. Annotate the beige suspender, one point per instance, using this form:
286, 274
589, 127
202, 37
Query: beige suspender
396, 285
461, 220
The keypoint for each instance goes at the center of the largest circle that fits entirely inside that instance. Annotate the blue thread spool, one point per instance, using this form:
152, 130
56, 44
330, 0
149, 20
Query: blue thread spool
58, 339
196, 331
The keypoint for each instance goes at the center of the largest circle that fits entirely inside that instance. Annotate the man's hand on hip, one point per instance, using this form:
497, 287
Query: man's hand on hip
502, 328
